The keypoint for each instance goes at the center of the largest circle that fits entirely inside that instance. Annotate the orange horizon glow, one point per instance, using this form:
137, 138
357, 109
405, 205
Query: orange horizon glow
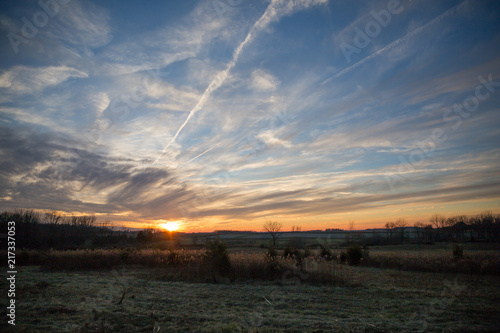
373, 219
376, 217
170, 226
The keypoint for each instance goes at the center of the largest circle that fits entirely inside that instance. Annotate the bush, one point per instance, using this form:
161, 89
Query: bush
173, 258
271, 253
354, 254
365, 253
326, 254
127, 254
289, 252
342, 257
218, 258
458, 251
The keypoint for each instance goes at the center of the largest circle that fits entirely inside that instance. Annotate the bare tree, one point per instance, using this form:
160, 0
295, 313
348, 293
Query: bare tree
83, 221
390, 227
351, 237
53, 217
352, 224
438, 221
401, 225
273, 227
419, 228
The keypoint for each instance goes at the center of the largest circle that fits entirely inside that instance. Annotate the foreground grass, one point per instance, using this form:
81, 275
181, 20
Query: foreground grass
129, 299
396, 289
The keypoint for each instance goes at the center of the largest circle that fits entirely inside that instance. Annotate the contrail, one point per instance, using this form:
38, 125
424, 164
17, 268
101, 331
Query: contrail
266, 18
409, 35
199, 155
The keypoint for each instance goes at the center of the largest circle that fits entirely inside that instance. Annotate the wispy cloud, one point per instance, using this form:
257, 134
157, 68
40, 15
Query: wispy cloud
28, 80
275, 10
224, 118
452, 11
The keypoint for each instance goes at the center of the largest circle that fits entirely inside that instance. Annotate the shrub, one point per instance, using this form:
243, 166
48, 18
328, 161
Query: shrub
354, 254
458, 251
289, 252
218, 258
365, 253
127, 254
173, 258
271, 253
326, 254
342, 257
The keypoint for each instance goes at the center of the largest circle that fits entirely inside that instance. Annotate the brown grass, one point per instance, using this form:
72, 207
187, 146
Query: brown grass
385, 300
438, 262
192, 264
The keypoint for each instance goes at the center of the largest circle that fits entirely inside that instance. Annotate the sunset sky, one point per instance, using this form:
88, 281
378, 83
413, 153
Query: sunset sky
222, 114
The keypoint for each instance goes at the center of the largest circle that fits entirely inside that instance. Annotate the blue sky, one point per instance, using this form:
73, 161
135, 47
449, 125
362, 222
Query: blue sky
223, 114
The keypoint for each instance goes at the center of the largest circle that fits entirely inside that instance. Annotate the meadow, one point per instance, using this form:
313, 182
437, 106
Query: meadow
403, 288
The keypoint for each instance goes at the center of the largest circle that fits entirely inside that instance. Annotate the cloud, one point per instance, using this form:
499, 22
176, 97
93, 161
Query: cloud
169, 44
338, 199
26, 116
101, 102
44, 171
270, 139
264, 81
81, 23
28, 80
275, 11
456, 9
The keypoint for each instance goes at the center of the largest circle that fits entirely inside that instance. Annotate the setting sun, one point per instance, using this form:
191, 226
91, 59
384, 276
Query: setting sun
170, 226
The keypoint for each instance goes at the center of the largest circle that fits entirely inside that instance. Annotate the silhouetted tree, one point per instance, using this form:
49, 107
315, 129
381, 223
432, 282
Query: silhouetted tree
53, 217
439, 222
273, 227
401, 225
419, 229
390, 226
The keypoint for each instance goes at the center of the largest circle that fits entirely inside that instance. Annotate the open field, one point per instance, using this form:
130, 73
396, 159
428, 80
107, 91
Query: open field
321, 297
375, 301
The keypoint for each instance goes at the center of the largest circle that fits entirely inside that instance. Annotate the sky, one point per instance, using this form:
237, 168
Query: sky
224, 114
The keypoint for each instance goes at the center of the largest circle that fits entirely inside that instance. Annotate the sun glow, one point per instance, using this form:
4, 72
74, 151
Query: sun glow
170, 226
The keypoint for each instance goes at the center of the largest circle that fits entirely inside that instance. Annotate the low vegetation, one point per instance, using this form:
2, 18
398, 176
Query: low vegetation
127, 299
215, 264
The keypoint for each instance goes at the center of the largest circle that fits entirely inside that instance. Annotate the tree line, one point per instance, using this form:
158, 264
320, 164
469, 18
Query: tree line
53, 230
482, 227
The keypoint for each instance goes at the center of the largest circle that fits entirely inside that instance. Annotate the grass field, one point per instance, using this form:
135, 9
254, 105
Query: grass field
136, 298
